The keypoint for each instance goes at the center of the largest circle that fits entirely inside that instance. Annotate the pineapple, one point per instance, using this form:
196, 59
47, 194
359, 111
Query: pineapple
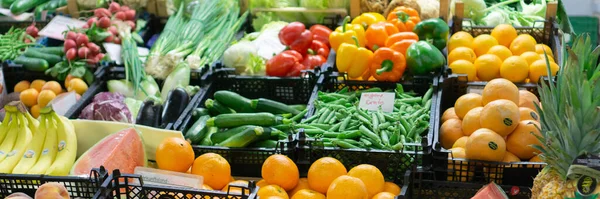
570, 121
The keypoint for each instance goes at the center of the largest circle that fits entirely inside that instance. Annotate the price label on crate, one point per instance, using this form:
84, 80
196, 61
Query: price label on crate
163, 177
58, 25
376, 100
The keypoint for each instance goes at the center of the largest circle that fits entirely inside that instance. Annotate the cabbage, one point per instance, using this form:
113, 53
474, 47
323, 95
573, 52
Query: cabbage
107, 106
134, 107
496, 17
284, 16
315, 4
238, 55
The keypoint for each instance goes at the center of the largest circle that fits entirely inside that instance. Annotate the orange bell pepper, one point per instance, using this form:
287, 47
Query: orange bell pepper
378, 33
387, 65
404, 18
392, 39
403, 45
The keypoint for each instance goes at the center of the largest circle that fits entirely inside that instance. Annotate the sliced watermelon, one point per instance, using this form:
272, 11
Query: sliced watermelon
490, 191
123, 150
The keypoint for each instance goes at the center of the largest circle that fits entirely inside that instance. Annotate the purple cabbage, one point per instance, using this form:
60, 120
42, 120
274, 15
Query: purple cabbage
107, 106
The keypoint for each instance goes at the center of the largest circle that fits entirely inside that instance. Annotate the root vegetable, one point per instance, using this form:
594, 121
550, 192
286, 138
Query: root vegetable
124, 8
94, 49
100, 56
72, 35
114, 7
71, 54
117, 40
83, 52
69, 43
109, 38
85, 26
130, 15
82, 39
33, 31
104, 22
92, 21
102, 12
113, 30
131, 24
121, 16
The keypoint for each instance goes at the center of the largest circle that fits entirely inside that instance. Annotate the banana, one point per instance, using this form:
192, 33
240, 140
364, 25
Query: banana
5, 126
23, 139
67, 147
48, 152
34, 149
11, 136
32, 123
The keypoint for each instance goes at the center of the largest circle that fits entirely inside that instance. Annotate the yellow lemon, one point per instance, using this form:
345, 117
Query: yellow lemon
459, 39
540, 48
462, 53
550, 58
514, 69
539, 68
530, 57
488, 67
464, 67
482, 43
505, 34
522, 43
501, 51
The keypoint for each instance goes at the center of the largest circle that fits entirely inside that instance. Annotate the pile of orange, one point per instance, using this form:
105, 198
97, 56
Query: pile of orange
503, 53
39, 93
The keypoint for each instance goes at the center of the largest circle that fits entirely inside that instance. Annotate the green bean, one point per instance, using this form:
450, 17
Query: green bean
345, 123
398, 146
405, 124
362, 113
321, 126
313, 132
299, 116
330, 117
338, 96
365, 121
380, 116
344, 145
366, 142
394, 137
389, 118
349, 135
353, 127
384, 125
427, 95
335, 127
328, 134
366, 132
343, 90
314, 117
384, 138
351, 141
375, 121
324, 116
305, 126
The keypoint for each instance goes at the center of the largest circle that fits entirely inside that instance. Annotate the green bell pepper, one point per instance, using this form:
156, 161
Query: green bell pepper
434, 31
422, 58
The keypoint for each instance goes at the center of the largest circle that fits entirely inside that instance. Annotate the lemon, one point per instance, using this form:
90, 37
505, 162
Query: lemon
538, 69
488, 67
540, 48
504, 34
501, 51
459, 39
463, 53
522, 43
483, 43
464, 67
550, 58
530, 57
515, 69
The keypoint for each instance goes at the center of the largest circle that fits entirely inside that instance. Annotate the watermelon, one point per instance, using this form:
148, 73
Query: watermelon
123, 150
490, 191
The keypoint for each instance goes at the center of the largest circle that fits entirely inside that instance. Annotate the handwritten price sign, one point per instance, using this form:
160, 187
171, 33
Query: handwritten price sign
373, 101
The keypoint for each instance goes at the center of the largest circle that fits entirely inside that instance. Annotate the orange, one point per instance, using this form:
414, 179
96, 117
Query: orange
234, 189
505, 34
501, 116
384, 195
68, 80
465, 103
29, 97
521, 140
214, 168
35, 111
449, 114
206, 187
323, 171
461, 142
21, 86
464, 67
77, 85
45, 97
174, 154
500, 89
515, 69
528, 114
450, 131
485, 144
539, 69
371, 176
37, 84
347, 187
53, 86
460, 39
488, 67
461, 53
482, 44
536, 159
280, 170
302, 184
308, 194
510, 157
540, 48
458, 169
528, 99
392, 188
271, 190
470, 122
522, 43
501, 51
530, 57
262, 183
550, 59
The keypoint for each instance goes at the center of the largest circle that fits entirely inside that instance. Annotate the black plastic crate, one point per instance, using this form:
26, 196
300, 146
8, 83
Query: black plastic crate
78, 187
424, 185
393, 164
121, 186
517, 173
7, 23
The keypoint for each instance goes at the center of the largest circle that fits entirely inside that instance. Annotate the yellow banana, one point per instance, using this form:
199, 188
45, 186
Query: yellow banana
49, 150
5, 126
11, 136
32, 123
34, 149
67, 147
23, 139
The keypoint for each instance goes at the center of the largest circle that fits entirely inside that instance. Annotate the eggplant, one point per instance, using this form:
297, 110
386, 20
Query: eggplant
176, 102
149, 114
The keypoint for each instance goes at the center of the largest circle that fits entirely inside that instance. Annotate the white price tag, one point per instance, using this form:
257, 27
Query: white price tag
58, 25
163, 177
114, 52
373, 101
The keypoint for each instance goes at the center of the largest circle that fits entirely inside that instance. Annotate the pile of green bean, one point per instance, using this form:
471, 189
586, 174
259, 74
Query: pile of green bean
12, 43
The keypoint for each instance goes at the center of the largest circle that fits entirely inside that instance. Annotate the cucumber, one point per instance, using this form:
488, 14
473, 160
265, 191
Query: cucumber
207, 141
299, 107
275, 107
32, 64
50, 58
240, 119
50, 50
7, 3
217, 108
265, 144
245, 138
198, 130
40, 8
235, 101
22, 6
222, 136
199, 112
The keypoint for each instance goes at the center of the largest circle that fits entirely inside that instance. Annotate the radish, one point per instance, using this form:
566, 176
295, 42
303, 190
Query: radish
92, 60
102, 12
109, 38
27, 41
124, 8
117, 40
121, 16
82, 39
113, 30
95, 49
85, 26
69, 43
32, 30
92, 21
71, 54
114, 7
104, 22
131, 24
130, 14
71, 35
83, 52
100, 56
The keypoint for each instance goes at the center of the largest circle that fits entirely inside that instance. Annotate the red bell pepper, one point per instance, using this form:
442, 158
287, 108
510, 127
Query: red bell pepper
285, 63
319, 48
296, 37
321, 33
312, 61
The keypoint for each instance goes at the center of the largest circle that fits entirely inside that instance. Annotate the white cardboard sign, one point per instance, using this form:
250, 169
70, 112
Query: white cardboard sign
58, 25
163, 177
373, 101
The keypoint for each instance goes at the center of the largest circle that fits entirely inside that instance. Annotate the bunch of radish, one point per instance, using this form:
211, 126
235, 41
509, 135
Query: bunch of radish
77, 46
31, 31
105, 18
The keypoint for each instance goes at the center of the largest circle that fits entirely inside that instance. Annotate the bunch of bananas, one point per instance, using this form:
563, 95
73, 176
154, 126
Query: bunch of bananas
28, 146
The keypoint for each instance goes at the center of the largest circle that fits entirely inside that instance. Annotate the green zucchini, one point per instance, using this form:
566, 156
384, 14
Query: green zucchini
50, 58
40, 8
198, 130
21, 6
240, 119
235, 101
265, 144
199, 112
7, 3
222, 136
217, 108
206, 141
275, 107
50, 50
299, 107
32, 64
247, 137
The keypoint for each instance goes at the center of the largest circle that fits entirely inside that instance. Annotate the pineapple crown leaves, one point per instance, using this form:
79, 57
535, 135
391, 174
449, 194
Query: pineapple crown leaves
570, 118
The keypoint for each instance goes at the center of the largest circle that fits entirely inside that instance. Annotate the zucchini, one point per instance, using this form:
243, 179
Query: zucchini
247, 137
50, 50
222, 136
265, 144
176, 102
32, 64
217, 108
199, 112
207, 139
240, 119
7, 3
235, 101
198, 130
40, 8
275, 107
22, 6
299, 107
50, 58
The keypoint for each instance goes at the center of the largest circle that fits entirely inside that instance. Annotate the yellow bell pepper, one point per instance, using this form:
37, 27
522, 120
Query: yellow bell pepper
344, 34
368, 18
353, 59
